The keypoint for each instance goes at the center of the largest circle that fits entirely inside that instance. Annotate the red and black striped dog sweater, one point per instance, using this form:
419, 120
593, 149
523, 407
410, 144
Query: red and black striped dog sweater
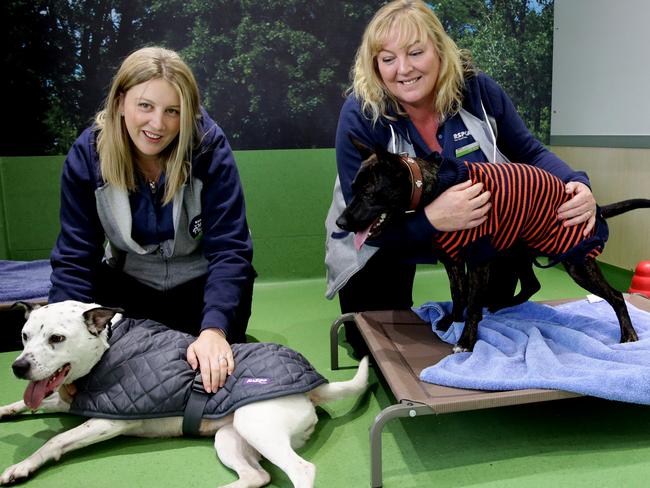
524, 200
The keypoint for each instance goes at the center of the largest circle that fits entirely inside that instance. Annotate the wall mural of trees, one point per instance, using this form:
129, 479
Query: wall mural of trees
272, 72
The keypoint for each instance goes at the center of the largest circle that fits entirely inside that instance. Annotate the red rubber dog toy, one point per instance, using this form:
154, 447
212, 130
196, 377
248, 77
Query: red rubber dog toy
641, 279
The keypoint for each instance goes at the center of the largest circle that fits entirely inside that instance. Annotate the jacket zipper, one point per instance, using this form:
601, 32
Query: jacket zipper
166, 265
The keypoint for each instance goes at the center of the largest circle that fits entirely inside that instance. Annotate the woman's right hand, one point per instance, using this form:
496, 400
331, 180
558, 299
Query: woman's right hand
212, 354
462, 206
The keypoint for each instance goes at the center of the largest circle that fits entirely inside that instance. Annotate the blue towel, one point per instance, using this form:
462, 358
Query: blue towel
24, 280
572, 347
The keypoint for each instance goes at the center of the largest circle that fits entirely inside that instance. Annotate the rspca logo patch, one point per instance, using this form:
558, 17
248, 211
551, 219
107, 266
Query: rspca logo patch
257, 381
459, 136
196, 228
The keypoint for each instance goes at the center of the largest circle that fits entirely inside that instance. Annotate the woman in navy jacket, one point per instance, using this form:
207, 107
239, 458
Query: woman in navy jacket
414, 91
152, 213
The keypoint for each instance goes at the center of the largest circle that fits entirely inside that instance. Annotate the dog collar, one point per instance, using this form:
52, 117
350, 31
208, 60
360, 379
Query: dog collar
109, 331
416, 180
110, 326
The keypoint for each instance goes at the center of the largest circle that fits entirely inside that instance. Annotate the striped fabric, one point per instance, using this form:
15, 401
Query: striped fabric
524, 200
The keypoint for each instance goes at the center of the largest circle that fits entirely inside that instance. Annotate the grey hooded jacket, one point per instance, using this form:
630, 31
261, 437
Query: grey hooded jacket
486, 128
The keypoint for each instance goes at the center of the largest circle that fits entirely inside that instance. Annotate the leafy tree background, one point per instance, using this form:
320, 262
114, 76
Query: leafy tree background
272, 72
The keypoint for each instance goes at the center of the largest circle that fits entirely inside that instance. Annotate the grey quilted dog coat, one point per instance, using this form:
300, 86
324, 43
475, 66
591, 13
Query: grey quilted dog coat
145, 374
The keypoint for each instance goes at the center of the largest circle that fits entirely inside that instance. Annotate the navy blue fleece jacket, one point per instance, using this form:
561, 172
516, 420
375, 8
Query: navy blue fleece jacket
222, 244
513, 139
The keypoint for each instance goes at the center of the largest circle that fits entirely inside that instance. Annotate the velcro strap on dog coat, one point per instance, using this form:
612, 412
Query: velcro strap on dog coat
195, 407
145, 374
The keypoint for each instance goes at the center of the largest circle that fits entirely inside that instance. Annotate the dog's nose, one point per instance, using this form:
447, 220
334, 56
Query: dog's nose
21, 367
342, 222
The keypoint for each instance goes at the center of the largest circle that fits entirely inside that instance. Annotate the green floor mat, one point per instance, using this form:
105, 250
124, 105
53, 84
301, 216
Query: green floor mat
581, 442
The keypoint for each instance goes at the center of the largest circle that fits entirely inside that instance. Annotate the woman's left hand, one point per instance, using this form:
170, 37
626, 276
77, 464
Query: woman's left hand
581, 208
213, 355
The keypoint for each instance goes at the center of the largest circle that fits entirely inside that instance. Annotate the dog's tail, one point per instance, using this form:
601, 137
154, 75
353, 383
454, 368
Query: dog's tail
614, 209
329, 392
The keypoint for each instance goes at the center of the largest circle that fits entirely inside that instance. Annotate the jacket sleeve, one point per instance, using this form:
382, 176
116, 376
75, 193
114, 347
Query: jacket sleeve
348, 160
515, 140
226, 238
78, 250
411, 231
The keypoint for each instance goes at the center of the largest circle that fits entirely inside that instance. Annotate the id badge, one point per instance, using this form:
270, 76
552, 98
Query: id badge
471, 147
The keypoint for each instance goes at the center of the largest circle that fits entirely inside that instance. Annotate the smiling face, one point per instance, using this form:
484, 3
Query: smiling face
409, 70
152, 117
58, 347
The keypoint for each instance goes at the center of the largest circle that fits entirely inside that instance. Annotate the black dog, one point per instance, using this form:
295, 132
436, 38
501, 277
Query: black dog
388, 185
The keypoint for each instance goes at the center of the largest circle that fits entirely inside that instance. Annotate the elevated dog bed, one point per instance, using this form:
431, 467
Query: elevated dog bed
24, 281
402, 346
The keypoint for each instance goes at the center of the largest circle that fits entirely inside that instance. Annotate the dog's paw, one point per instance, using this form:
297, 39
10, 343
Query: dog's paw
11, 410
17, 472
629, 336
464, 345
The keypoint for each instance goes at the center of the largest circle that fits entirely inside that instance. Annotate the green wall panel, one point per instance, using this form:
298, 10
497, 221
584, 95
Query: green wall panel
287, 194
30, 193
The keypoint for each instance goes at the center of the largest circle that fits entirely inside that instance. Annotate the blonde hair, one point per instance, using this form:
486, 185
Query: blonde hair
113, 142
416, 22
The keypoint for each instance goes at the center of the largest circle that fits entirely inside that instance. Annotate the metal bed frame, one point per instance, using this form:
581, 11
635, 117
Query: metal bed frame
402, 345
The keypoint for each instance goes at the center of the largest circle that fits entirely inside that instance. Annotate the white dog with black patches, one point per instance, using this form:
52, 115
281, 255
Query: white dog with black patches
63, 341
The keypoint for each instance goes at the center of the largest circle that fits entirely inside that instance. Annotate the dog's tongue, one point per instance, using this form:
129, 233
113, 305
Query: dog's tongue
360, 237
37, 390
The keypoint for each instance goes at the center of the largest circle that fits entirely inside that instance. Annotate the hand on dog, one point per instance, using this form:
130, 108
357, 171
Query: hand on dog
462, 206
212, 354
581, 208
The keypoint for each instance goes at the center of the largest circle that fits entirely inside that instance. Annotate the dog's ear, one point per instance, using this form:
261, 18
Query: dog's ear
96, 319
26, 306
364, 150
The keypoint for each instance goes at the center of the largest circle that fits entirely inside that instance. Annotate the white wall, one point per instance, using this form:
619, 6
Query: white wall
618, 174
600, 120
601, 70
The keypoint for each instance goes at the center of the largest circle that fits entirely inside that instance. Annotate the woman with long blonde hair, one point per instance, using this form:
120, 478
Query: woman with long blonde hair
153, 218
415, 92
